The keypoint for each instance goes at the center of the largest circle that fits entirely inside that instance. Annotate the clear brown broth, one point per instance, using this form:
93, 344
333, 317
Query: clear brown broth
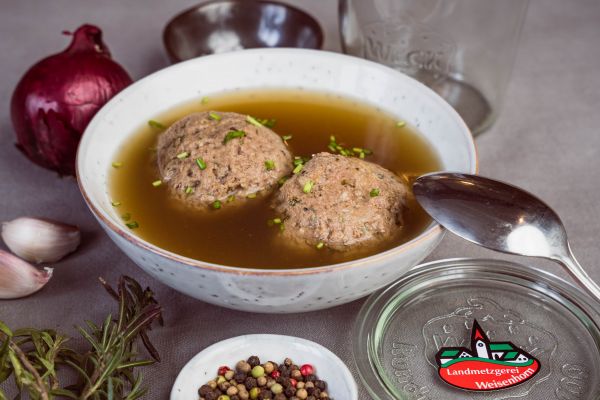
240, 236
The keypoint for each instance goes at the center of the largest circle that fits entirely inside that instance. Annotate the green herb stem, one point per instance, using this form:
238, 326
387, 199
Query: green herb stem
200, 163
233, 135
155, 124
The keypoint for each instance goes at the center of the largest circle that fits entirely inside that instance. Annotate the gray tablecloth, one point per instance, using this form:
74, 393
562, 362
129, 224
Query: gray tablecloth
547, 139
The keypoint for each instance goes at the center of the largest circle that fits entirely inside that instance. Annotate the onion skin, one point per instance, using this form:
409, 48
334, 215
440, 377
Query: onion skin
57, 97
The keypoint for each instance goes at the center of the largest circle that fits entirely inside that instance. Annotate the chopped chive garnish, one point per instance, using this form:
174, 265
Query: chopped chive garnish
320, 245
400, 124
132, 225
308, 186
282, 227
200, 163
277, 221
214, 115
374, 192
117, 164
230, 198
359, 152
204, 100
285, 138
156, 124
233, 134
253, 120
183, 155
126, 216
216, 204
282, 180
269, 123
269, 165
251, 196
189, 190
157, 183
298, 168
115, 203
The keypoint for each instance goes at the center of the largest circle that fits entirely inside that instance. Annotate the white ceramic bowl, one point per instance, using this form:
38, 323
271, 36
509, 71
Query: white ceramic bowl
203, 366
269, 291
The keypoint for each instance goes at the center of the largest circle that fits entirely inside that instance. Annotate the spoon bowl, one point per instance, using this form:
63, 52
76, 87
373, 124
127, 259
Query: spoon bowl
500, 217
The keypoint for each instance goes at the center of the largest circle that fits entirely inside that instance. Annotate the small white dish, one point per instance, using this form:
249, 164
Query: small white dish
203, 366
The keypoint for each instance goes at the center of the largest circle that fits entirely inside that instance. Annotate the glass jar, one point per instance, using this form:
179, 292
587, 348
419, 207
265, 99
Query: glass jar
463, 49
522, 314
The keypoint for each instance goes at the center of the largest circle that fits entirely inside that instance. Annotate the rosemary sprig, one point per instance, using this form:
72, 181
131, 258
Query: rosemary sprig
105, 371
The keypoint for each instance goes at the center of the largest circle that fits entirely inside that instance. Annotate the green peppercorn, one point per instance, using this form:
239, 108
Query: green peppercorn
223, 397
254, 393
229, 375
276, 388
258, 371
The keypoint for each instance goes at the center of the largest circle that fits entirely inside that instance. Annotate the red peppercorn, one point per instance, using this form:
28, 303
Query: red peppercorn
306, 370
293, 382
275, 374
222, 370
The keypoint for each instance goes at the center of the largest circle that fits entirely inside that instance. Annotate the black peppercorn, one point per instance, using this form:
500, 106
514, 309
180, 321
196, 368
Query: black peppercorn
320, 384
285, 371
240, 377
290, 391
211, 396
234, 397
250, 383
280, 396
265, 395
310, 378
204, 389
253, 361
285, 382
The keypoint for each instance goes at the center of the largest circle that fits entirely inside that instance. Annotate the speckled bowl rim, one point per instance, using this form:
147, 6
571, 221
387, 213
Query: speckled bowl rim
432, 230
169, 26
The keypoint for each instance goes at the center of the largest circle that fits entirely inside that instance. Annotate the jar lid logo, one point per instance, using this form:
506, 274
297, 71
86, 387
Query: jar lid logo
485, 365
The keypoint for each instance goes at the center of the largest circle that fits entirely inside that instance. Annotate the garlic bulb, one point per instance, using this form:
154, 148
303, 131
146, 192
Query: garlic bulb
40, 240
19, 278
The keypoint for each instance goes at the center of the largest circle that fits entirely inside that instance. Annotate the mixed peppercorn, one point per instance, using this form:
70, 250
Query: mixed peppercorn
252, 380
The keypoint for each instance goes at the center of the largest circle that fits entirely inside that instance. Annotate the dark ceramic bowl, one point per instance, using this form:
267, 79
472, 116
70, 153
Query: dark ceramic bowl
227, 25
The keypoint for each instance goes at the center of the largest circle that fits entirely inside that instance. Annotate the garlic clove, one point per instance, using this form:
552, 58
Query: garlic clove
18, 278
40, 240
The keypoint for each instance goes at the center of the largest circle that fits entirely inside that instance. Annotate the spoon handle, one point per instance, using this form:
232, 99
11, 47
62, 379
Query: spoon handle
579, 274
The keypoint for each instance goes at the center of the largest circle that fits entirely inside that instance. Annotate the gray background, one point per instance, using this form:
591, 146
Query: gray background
547, 140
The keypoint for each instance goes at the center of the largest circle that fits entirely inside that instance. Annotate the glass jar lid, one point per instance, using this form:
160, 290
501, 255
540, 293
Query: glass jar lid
479, 329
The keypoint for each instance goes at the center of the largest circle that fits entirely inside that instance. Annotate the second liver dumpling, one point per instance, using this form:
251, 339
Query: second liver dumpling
340, 203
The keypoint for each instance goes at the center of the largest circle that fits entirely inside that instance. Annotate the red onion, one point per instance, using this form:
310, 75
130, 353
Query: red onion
58, 96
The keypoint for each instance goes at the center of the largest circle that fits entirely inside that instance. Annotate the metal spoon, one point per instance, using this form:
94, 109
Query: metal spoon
500, 217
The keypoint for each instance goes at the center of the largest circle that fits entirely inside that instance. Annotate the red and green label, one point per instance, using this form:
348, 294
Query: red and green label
485, 365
